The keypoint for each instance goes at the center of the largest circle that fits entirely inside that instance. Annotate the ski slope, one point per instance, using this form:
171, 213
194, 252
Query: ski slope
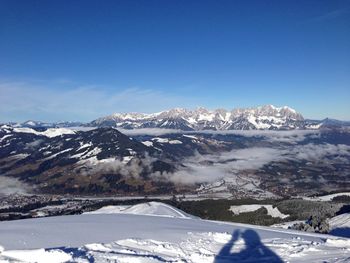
150, 208
132, 237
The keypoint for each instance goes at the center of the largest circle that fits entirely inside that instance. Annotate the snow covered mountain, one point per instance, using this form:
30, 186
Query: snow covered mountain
40, 124
165, 234
267, 117
68, 161
216, 163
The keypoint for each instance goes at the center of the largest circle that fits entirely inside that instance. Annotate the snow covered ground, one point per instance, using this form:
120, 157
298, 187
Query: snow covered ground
326, 197
340, 221
340, 225
272, 211
51, 132
126, 237
150, 208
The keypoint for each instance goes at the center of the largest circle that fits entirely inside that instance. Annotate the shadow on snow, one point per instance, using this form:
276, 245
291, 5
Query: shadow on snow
254, 251
341, 232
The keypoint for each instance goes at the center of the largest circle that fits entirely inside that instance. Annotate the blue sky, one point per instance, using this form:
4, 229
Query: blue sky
79, 60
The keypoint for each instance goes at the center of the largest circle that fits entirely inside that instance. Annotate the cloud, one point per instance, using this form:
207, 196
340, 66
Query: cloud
150, 131
133, 169
10, 185
292, 136
318, 152
34, 145
211, 168
214, 167
20, 101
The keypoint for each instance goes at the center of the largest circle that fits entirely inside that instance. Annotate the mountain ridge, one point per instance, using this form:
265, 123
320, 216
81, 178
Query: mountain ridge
262, 117
267, 117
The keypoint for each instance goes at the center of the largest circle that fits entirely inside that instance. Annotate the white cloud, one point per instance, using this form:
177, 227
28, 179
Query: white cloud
319, 151
10, 185
150, 131
20, 101
292, 136
213, 167
210, 168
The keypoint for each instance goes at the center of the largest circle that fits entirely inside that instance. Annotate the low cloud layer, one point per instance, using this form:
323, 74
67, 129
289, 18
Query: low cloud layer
150, 131
291, 136
210, 168
10, 185
213, 167
134, 168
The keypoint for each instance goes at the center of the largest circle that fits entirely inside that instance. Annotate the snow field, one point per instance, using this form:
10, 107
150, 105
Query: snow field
272, 211
166, 234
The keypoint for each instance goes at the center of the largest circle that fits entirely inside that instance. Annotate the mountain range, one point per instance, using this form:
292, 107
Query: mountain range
103, 160
266, 117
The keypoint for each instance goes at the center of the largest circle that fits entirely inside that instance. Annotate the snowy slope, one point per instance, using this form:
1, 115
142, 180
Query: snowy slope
326, 198
340, 221
272, 211
51, 132
340, 225
150, 208
141, 238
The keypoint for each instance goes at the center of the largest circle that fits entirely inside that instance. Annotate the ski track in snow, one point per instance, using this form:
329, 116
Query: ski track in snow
139, 238
169, 235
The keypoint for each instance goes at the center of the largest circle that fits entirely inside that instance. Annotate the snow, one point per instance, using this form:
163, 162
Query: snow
51, 132
166, 140
287, 225
190, 136
157, 232
56, 154
272, 211
38, 255
175, 142
94, 161
4, 137
206, 117
326, 198
142, 238
315, 126
338, 242
290, 109
20, 156
219, 118
148, 143
340, 225
150, 208
340, 221
161, 140
82, 145
252, 120
93, 152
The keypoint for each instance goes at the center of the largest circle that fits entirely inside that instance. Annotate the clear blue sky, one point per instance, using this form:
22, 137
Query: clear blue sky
78, 60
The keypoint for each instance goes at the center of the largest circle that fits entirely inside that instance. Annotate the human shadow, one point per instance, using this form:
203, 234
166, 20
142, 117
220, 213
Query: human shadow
254, 251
